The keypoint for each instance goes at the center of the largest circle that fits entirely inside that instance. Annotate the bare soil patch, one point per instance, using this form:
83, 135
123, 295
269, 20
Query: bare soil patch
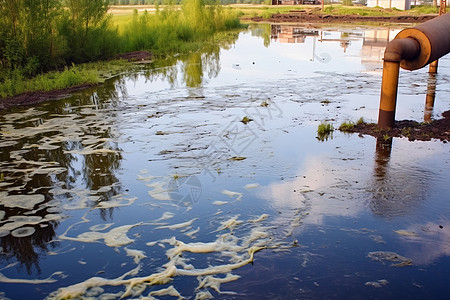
307, 16
136, 56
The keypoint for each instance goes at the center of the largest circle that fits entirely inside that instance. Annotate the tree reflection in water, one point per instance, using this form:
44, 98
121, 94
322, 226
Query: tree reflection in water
70, 135
43, 161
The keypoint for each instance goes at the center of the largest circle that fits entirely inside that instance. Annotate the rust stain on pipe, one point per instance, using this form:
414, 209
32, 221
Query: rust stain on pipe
412, 49
434, 39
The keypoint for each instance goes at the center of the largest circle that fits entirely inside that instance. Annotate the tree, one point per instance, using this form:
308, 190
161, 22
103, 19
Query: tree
39, 22
27, 33
87, 12
10, 49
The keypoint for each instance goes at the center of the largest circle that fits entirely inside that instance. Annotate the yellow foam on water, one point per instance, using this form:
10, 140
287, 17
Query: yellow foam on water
179, 225
220, 202
116, 237
230, 223
50, 279
232, 194
214, 282
239, 250
20, 201
251, 186
137, 255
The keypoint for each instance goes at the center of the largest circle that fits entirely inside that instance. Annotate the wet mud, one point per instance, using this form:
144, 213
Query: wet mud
33, 98
310, 17
412, 130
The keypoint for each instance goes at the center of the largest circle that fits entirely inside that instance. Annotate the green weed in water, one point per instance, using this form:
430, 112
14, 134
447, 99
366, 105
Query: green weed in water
324, 131
360, 121
246, 120
347, 126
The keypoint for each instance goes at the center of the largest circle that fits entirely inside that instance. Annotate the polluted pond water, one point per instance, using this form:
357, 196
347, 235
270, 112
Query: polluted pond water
152, 186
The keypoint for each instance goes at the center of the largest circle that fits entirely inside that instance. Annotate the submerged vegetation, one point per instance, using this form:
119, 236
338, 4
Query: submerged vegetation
41, 36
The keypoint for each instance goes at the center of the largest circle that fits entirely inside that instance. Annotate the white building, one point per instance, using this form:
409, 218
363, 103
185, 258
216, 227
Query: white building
399, 4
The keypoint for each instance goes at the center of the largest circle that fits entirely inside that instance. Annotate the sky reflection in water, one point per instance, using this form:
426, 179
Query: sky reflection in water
107, 177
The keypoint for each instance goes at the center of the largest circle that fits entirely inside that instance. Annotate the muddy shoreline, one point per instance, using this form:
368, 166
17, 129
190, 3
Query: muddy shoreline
436, 129
305, 16
32, 98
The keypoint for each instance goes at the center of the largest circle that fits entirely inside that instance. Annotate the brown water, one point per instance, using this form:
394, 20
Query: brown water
151, 186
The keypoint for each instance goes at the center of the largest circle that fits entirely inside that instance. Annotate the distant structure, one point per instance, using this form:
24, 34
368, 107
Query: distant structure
399, 4
295, 2
291, 34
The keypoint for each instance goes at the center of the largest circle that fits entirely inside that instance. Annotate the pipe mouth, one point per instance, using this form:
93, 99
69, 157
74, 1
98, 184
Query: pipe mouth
402, 49
423, 58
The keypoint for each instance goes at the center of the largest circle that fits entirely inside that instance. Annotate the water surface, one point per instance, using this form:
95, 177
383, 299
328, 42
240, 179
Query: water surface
151, 186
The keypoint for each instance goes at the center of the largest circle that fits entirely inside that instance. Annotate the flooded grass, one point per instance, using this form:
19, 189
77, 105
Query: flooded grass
151, 185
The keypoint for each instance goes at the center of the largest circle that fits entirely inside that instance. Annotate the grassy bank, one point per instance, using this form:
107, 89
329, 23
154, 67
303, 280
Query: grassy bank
87, 73
162, 31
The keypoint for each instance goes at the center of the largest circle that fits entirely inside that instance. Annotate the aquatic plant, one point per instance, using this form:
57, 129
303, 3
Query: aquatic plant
346, 126
324, 131
325, 128
360, 121
246, 120
349, 125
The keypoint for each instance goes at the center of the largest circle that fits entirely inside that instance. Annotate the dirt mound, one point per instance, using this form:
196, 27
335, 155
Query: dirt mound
136, 56
310, 17
32, 98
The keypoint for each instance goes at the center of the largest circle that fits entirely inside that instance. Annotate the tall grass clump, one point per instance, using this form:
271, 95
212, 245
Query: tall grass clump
171, 30
324, 131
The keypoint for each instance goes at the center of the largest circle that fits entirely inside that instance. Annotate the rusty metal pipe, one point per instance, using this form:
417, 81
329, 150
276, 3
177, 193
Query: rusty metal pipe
433, 67
412, 49
396, 50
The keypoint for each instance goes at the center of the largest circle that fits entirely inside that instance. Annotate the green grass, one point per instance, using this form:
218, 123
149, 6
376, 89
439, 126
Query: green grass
360, 121
324, 131
88, 73
349, 125
346, 126
18, 84
173, 29
362, 11
264, 10
424, 9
